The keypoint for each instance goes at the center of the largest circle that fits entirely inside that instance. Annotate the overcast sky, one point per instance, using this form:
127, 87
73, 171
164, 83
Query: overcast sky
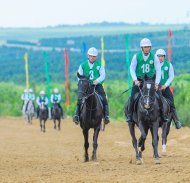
40, 13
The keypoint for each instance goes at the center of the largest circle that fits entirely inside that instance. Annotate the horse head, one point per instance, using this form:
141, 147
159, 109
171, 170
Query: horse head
84, 85
148, 91
42, 106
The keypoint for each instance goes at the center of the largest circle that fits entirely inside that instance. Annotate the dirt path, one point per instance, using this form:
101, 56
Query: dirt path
28, 155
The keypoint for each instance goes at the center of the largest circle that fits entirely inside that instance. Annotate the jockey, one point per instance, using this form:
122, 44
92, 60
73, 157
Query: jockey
97, 74
40, 99
56, 98
24, 98
144, 62
166, 79
31, 97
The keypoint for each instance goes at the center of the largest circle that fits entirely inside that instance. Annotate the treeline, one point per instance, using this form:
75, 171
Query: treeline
13, 68
11, 102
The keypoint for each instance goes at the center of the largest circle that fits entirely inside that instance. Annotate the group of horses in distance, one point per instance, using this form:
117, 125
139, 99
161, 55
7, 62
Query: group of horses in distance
29, 112
146, 117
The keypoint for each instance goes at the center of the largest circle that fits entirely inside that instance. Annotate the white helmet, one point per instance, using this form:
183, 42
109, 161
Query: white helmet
42, 92
56, 90
30, 90
145, 42
160, 52
25, 90
93, 52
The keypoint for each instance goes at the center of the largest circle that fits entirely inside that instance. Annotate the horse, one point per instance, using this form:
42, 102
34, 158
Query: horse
91, 113
165, 125
56, 115
146, 116
43, 116
28, 111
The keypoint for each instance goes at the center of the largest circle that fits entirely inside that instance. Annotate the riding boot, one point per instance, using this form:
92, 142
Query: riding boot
106, 114
76, 118
129, 112
176, 119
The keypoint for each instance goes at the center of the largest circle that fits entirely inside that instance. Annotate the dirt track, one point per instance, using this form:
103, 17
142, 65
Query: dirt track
28, 155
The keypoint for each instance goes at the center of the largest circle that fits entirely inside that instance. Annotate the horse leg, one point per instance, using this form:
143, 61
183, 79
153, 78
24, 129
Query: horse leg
95, 142
44, 126
86, 145
142, 142
155, 141
59, 124
41, 124
54, 120
164, 136
134, 142
142, 139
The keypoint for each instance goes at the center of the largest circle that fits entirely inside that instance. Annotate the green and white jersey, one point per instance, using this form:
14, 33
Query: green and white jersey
167, 73
145, 67
56, 98
95, 70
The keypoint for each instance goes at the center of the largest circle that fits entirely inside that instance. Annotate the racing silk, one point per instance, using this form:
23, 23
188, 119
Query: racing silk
145, 67
56, 98
41, 99
167, 73
31, 96
95, 70
145, 64
24, 97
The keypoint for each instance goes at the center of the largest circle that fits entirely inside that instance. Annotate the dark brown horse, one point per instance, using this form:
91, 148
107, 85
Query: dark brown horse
91, 113
146, 116
43, 116
56, 115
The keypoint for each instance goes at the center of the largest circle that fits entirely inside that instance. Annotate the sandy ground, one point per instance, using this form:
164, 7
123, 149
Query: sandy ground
28, 155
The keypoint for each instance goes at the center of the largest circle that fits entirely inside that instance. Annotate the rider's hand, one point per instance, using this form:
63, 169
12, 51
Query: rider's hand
95, 82
163, 87
156, 87
137, 82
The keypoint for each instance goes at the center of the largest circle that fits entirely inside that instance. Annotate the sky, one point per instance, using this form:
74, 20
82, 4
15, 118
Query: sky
42, 13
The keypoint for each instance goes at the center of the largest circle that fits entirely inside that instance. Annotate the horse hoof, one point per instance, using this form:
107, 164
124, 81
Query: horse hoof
157, 161
139, 162
164, 153
86, 160
94, 158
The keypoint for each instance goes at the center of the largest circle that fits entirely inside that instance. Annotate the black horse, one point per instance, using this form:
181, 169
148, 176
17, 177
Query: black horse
43, 116
56, 115
146, 116
91, 113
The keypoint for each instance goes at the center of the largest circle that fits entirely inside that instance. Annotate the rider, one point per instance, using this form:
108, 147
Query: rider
144, 62
97, 74
167, 77
40, 99
24, 98
30, 96
56, 98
